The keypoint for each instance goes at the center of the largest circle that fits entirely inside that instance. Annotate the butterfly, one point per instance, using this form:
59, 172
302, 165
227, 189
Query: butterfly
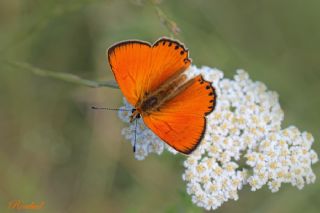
152, 78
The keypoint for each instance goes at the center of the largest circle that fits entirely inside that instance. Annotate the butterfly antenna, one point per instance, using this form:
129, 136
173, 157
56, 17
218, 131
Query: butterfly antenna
135, 136
127, 110
113, 109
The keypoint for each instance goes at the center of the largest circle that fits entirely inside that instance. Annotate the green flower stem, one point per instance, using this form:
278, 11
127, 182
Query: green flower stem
67, 77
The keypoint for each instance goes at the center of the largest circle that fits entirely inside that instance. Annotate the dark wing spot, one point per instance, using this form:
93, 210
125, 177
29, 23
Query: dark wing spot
208, 87
211, 101
170, 44
211, 93
182, 52
164, 42
176, 47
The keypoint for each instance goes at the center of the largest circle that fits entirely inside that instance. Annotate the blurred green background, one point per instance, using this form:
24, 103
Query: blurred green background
55, 149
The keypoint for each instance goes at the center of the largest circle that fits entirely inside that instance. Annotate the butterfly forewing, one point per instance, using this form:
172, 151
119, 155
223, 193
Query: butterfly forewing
130, 61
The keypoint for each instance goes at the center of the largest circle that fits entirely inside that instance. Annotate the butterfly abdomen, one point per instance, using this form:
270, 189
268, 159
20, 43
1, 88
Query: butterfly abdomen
164, 93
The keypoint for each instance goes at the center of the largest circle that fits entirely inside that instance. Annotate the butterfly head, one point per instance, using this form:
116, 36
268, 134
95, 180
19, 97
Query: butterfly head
135, 115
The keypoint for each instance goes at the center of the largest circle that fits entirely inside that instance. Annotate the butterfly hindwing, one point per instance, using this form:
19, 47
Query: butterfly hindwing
181, 122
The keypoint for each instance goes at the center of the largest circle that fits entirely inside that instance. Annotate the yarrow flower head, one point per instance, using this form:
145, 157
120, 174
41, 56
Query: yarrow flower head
246, 123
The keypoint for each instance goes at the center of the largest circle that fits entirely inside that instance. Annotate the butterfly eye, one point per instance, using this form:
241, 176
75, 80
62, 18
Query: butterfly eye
133, 110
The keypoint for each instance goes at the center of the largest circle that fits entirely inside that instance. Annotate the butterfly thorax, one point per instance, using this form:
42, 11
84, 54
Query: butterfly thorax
153, 101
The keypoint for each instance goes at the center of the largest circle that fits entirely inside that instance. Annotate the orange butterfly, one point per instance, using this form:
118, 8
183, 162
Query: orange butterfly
152, 79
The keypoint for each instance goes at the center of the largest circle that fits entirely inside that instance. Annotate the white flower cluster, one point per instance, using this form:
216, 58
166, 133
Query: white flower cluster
282, 157
245, 125
211, 182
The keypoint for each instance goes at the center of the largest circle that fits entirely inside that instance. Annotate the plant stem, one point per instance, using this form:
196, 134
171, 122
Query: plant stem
165, 20
62, 76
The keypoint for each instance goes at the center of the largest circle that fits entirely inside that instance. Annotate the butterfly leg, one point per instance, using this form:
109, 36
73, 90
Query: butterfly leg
135, 114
